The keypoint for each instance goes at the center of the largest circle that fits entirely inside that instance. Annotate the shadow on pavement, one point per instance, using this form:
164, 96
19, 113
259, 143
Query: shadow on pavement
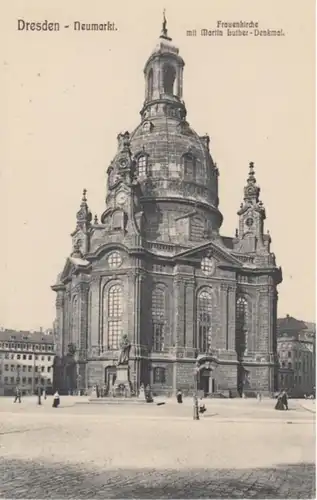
30, 479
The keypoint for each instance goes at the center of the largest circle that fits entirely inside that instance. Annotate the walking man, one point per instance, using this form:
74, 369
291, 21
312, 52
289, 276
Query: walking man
17, 394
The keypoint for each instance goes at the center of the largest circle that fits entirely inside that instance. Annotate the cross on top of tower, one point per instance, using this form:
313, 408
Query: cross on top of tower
164, 33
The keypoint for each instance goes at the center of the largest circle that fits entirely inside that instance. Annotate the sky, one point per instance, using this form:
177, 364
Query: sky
66, 95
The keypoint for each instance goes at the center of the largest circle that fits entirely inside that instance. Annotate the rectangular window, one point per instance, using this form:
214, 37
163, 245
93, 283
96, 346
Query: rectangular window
24, 356
114, 333
36, 380
12, 368
6, 380
158, 337
29, 380
159, 375
43, 358
49, 381
12, 380
30, 356
36, 368
23, 380
18, 356
43, 368
289, 354
36, 357
29, 368
24, 368
48, 358
6, 368
48, 368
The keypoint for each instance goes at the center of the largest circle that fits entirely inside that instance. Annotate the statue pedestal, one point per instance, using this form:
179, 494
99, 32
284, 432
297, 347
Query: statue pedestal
122, 386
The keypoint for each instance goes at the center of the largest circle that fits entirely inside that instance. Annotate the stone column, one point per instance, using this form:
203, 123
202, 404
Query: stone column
232, 317
96, 302
179, 312
190, 305
83, 315
224, 299
264, 320
59, 334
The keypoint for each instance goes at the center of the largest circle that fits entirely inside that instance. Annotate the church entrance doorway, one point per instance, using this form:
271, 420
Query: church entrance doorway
207, 383
110, 378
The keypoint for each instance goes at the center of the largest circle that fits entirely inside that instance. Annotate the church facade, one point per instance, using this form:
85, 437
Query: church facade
155, 266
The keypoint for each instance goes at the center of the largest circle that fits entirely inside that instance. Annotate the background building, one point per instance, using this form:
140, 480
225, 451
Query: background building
155, 266
296, 352
26, 358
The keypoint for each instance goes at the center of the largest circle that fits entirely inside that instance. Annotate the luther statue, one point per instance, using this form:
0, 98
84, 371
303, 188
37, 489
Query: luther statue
125, 351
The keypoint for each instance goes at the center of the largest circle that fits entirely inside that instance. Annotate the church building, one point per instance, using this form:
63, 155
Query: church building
155, 267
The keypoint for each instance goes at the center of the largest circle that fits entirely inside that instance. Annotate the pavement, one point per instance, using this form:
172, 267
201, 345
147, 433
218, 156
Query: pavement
238, 449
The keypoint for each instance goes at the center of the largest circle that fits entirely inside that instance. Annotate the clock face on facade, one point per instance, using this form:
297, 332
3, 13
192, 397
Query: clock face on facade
123, 163
208, 266
121, 198
249, 221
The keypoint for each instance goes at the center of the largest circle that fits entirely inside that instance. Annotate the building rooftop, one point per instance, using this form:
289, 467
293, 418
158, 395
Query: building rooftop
290, 325
8, 335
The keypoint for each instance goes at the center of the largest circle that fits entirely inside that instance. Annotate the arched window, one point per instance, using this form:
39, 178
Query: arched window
197, 228
117, 220
142, 164
204, 321
115, 314
169, 76
242, 326
189, 167
158, 318
150, 84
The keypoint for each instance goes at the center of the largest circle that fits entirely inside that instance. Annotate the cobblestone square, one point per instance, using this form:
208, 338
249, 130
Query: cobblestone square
238, 449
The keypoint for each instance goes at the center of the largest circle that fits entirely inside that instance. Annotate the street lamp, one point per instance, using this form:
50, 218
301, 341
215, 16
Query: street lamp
195, 402
39, 385
44, 390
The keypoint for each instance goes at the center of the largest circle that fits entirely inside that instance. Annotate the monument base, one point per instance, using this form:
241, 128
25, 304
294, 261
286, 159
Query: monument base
122, 386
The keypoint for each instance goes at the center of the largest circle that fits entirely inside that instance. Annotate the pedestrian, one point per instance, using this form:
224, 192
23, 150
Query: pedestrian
202, 406
56, 400
279, 404
285, 400
148, 394
179, 396
17, 394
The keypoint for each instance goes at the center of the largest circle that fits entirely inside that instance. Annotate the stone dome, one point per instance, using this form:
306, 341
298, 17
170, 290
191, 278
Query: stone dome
174, 168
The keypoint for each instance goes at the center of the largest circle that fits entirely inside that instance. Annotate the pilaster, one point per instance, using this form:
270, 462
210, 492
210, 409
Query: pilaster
232, 317
96, 300
224, 300
179, 311
189, 313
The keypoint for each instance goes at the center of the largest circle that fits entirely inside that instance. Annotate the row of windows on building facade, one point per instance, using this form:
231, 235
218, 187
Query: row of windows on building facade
203, 339
192, 168
26, 347
207, 265
26, 380
30, 357
24, 368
